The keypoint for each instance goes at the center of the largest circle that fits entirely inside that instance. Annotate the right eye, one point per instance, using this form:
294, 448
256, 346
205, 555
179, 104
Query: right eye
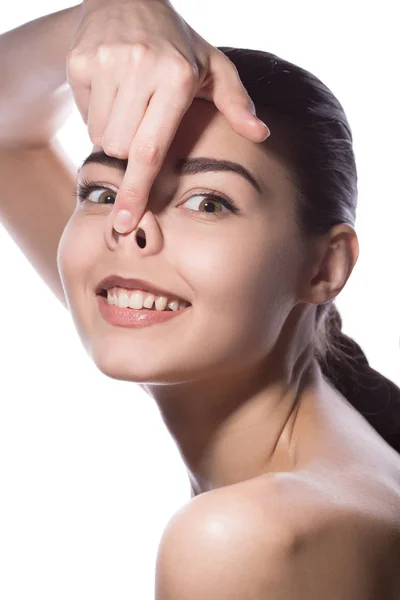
88, 188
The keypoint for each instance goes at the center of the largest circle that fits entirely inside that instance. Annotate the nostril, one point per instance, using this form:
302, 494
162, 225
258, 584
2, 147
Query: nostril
141, 238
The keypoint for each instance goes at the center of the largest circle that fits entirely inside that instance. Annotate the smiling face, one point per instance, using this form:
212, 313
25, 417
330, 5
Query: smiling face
241, 270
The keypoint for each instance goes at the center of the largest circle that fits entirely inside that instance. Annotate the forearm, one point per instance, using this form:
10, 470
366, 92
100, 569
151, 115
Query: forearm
35, 98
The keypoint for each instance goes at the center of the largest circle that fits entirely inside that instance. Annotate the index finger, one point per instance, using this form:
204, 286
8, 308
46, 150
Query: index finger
147, 153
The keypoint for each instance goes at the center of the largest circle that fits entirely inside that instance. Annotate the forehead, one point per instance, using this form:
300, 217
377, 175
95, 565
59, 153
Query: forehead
205, 131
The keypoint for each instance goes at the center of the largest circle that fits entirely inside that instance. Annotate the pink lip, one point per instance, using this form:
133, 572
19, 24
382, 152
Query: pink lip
129, 317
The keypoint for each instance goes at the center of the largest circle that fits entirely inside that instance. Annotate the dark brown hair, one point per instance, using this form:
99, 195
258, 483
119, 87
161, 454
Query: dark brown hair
311, 134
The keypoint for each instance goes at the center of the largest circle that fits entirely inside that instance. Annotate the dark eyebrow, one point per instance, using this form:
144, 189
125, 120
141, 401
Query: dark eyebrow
185, 166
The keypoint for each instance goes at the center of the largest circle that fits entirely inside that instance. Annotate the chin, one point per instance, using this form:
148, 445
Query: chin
141, 370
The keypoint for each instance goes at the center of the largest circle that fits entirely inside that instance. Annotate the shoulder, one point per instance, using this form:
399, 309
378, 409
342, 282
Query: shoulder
216, 546
274, 540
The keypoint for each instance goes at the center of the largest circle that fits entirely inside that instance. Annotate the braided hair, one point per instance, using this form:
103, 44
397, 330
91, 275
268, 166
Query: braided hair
344, 363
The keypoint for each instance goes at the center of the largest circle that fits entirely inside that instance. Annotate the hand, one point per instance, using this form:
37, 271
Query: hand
135, 67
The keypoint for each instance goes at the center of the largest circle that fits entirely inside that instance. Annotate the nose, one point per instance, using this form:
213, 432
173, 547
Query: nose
147, 235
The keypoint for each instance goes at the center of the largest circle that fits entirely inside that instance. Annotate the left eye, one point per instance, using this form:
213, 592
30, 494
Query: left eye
87, 188
208, 201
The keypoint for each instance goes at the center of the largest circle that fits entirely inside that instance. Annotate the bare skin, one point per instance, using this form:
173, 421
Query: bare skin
344, 468
339, 498
251, 449
240, 393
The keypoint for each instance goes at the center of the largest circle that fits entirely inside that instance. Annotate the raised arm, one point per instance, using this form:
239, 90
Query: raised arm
37, 177
36, 203
35, 98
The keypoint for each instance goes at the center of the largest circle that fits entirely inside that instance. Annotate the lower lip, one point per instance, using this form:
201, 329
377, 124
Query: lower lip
130, 317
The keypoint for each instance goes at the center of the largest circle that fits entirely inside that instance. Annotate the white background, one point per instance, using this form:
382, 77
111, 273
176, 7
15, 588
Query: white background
88, 473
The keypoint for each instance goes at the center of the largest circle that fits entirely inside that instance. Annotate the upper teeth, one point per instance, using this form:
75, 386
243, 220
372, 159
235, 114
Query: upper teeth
137, 299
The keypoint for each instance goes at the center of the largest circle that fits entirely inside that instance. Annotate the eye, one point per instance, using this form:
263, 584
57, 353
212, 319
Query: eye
210, 200
105, 195
89, 188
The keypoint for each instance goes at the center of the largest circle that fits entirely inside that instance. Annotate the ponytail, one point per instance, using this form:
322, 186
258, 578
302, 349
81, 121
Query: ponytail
343, 362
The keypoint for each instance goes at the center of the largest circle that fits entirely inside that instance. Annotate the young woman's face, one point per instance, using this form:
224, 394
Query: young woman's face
240, 271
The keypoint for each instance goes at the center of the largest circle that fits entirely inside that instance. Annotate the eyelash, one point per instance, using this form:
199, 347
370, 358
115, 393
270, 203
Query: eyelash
88, 186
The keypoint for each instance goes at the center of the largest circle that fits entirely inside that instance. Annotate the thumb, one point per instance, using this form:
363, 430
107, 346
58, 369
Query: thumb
224, 88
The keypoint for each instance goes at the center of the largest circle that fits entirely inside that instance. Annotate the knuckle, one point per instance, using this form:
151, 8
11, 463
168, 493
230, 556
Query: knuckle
182, 71
148, 154
105, 55
77, 63
224, 62
137, 51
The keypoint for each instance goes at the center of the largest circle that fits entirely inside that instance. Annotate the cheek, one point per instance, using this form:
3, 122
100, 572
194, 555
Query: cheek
236, 270
217, 266
76, 257
242, 290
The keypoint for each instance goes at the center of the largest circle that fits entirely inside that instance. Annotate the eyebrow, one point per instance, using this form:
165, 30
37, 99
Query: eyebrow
184, 166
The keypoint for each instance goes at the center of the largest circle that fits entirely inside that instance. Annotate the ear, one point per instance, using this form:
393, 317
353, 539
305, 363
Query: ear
333, 259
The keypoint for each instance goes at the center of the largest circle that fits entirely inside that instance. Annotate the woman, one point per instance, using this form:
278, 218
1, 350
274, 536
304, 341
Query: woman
254, 379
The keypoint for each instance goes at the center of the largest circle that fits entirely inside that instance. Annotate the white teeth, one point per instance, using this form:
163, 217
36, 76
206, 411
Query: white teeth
173, 304
123, 299
137, 300
161, 303
109, 297
149, 301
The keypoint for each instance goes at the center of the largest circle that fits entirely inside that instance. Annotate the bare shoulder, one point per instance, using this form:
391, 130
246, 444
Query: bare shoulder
347, 533
277, 536
222, 544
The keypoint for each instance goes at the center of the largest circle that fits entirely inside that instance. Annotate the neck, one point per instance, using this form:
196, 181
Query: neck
237, 427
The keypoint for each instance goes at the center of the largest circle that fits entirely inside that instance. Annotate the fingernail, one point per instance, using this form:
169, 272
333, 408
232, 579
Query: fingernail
122, 221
